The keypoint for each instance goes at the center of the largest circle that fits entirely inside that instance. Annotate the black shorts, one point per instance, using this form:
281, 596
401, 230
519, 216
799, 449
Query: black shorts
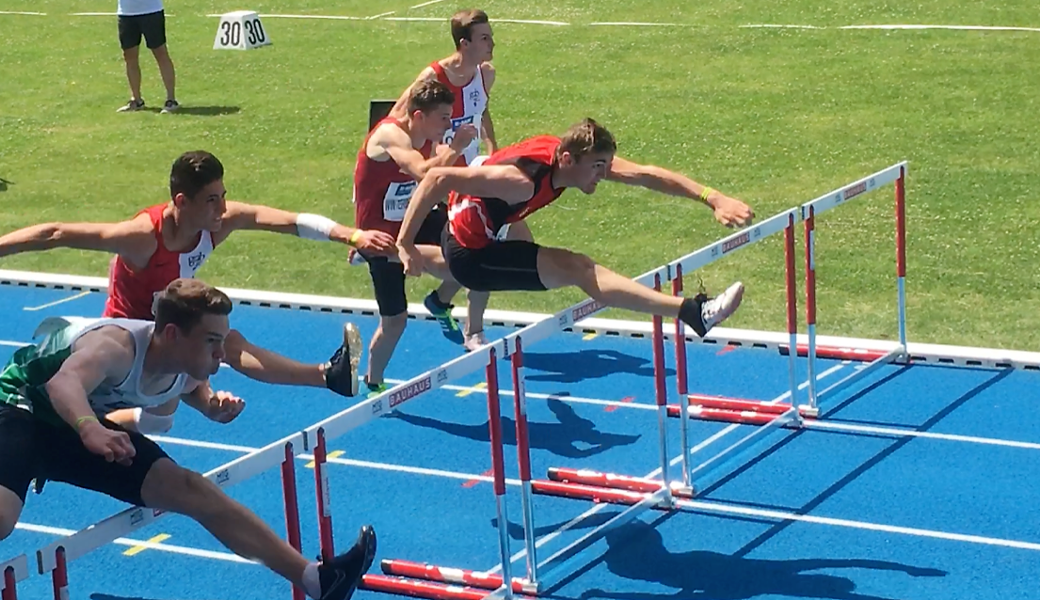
152, 26
511, 265
31, 448
388, 275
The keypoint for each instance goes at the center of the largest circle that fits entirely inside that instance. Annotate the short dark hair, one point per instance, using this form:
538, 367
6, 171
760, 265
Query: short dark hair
586, 137
185, 301
193, 171
428, 94
462, 24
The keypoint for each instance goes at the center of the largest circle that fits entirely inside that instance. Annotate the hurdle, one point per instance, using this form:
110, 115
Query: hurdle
451, 583
640, 494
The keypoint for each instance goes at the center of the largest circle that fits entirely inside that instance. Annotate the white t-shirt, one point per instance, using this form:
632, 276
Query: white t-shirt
129, 8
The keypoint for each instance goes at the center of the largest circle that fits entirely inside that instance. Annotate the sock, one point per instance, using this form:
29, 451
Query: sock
436, 298
690, 313
311, 581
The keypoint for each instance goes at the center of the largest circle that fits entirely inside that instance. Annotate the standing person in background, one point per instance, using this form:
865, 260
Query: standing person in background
145, 18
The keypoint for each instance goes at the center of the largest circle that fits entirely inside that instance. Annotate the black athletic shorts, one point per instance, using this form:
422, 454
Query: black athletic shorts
388, 275
152, 26
31, 448
510, 265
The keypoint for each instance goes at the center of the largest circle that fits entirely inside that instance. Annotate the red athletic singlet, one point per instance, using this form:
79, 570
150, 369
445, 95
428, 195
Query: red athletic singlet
381, 189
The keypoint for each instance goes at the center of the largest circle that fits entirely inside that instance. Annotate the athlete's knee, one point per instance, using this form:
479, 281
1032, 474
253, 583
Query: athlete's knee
183, 491
10, 510
393, 326
580, 267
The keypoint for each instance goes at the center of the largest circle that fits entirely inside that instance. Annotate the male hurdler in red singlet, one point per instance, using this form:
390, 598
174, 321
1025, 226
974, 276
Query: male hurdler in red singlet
521, 179
172, 240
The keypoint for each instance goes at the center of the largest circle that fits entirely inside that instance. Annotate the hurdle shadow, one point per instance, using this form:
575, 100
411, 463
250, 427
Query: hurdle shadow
636, 551
516, 530
837, 486
561, 438
4, 184
575, 367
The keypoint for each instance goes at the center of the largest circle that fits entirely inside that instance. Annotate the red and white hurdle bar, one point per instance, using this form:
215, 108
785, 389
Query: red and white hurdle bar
769, 416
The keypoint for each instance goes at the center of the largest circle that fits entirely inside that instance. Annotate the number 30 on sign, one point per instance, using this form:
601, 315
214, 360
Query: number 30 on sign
240, 30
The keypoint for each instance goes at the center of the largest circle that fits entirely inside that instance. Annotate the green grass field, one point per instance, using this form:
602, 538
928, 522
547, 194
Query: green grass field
773, 116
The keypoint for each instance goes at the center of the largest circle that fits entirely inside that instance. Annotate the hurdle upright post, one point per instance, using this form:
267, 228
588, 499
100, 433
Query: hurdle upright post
901, 252
292, 509
10, 593
810, 302
60, 575
660, 391
681, 382
523, 450
498, 468
792, 308
321, 482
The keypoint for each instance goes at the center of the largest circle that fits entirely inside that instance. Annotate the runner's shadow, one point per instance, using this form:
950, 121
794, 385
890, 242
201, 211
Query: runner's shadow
573, 367
572, 437
636, 551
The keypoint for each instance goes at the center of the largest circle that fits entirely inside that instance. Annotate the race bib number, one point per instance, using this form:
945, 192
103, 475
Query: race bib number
455, 124
395, 203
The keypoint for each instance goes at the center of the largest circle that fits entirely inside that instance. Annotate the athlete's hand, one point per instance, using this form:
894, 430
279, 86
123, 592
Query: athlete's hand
464, 136
730, 211
411, 259
223, 407
113, 445
375, 241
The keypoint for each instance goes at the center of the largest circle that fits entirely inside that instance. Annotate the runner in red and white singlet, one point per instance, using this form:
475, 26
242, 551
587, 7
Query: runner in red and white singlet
173, 240
395, 155
132, 292
521, 179
469, 75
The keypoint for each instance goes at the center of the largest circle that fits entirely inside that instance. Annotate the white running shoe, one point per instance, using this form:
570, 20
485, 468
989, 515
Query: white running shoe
721, 307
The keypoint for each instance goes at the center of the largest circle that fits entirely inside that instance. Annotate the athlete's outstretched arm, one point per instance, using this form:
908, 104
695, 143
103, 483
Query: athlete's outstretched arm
240, 215
134, 239
728, 211
506, 182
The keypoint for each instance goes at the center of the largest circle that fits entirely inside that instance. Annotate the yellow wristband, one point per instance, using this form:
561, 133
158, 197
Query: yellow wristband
80, 421
354, 237
706, 192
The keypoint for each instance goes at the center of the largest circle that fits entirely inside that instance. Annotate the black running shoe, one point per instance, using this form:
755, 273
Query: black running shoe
340, 576
341, 370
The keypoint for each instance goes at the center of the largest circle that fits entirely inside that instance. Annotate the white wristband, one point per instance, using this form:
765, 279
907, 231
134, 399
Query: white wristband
314, 227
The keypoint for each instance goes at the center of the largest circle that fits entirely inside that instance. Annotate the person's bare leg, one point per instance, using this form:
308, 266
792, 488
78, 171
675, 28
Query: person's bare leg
561, 268
264, 365
131, 56
169, 79
10, 510
173, 488
384, 341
